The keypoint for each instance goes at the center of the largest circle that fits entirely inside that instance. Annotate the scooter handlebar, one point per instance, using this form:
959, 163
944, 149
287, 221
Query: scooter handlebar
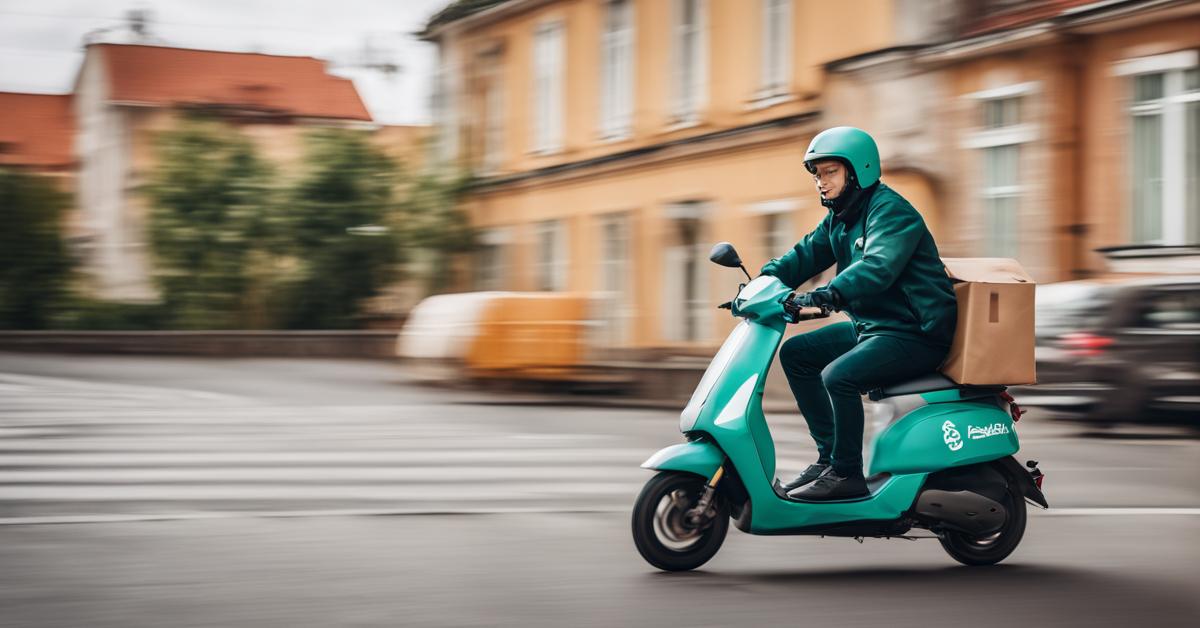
794, 312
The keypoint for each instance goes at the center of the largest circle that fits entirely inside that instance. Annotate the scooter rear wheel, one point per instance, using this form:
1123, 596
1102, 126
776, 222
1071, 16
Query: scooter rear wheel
660, 529
992, 548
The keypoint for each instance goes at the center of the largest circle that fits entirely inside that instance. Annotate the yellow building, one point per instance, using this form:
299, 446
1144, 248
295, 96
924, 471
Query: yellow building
1047, 129
618, 140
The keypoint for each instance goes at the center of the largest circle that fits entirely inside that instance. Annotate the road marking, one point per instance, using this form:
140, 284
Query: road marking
410, 512
274, 492
1117, 512
348, 512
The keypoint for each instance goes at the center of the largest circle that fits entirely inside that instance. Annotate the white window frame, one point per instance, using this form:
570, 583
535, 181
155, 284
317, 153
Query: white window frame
552, 271
493, 112
618, 306
1172, 110
776, 62
493, 274
445, 107
549, 94
688, 100
617, 78
984, 139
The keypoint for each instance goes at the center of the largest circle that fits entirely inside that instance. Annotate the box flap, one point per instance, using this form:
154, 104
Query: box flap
986, 270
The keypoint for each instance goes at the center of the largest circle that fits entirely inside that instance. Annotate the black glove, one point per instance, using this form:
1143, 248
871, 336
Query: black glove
821, 297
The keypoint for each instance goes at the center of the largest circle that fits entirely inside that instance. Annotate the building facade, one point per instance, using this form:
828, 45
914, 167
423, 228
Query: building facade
1051, 129
615, 141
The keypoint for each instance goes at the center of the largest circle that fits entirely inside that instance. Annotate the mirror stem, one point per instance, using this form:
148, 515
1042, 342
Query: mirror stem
746, 273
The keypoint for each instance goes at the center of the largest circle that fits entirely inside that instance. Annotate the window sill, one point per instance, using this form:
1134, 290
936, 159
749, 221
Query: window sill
615, 138
768, 100
680, 124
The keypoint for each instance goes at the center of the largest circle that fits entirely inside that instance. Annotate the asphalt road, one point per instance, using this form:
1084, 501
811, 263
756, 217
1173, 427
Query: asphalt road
217, 492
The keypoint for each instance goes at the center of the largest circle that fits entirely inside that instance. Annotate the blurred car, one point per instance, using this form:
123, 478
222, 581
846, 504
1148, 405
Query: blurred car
1119, 349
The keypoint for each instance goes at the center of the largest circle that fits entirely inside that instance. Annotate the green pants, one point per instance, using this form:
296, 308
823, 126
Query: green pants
830, 368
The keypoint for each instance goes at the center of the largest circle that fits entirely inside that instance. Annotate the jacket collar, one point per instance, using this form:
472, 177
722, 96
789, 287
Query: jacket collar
856, 201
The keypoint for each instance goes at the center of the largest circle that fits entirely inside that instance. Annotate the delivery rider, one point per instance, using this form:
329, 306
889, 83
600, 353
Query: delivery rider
890, 281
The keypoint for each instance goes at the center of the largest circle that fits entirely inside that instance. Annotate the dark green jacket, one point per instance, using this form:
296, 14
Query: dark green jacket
890, 278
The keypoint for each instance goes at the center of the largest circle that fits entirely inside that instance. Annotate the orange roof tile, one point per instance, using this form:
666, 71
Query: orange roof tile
35, 129
294, 86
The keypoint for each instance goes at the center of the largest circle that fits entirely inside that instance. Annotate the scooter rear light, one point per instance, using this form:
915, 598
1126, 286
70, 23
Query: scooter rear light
1037, 479
1085, 345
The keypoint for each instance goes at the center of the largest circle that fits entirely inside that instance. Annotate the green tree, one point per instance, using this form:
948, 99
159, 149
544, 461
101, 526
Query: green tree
435, 227
211, 204
338, 230
35, 266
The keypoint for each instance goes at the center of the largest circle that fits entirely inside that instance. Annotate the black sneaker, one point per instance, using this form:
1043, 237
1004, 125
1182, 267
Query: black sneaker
830, 485
813, 472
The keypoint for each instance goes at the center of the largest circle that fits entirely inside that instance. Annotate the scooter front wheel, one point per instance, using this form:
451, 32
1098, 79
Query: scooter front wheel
662, 532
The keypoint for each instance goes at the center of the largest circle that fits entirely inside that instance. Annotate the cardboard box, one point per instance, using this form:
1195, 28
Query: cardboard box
993, 343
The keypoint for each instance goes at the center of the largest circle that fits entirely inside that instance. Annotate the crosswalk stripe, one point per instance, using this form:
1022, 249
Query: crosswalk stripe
294, 474
462, 493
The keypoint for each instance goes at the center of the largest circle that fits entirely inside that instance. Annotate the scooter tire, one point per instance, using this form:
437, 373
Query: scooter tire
655, 509
977, 552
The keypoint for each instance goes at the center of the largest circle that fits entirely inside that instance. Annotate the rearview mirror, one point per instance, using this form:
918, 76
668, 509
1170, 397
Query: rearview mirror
724, 254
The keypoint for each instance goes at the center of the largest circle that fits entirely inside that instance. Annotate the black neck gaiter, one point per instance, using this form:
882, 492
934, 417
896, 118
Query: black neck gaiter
847, 206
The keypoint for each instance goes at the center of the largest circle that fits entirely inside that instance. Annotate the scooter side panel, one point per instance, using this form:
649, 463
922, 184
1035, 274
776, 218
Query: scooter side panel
940, 436
772, 515
733, 414
699, 457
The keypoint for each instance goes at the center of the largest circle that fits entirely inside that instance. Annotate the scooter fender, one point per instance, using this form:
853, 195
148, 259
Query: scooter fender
941, 436
700, 457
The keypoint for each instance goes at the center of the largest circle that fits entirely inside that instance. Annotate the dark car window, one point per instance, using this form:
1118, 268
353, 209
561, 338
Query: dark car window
1177, 309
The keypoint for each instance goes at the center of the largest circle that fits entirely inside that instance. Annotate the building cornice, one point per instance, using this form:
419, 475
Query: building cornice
771, 131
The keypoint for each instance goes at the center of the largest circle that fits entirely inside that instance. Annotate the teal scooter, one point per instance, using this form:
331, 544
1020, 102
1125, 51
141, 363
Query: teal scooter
943, 464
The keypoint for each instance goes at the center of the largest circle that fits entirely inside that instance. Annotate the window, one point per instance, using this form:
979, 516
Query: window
443, 105
1164, 148
551, 256
491, 259
1002, 131
1173, 310
616, 90
776, 47
777, 234
616, 282
548, 53
686, 306
690, 61
493, 113
1001, 196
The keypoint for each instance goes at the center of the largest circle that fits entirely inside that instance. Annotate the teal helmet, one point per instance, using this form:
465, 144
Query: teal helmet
852, 146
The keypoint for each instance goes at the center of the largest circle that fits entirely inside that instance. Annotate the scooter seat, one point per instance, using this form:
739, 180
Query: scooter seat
930, 383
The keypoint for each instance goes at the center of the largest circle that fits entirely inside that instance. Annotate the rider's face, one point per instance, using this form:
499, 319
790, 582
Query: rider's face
830, 178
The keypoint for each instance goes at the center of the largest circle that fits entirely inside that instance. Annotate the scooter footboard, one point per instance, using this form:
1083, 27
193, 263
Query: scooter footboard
700, 457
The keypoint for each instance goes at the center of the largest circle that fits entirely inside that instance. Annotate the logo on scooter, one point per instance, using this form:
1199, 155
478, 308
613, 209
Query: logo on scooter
951, 436
995, 429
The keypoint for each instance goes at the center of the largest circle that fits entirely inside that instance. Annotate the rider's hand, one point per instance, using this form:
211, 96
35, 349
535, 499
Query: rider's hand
823, 298
770, 268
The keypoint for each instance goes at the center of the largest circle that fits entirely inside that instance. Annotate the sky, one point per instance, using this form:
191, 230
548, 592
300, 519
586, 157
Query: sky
41, 41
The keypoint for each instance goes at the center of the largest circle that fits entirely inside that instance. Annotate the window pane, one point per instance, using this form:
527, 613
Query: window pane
1001, 112
1191, 79
1192, 130
1147, 87
1147, 178
1001, 237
